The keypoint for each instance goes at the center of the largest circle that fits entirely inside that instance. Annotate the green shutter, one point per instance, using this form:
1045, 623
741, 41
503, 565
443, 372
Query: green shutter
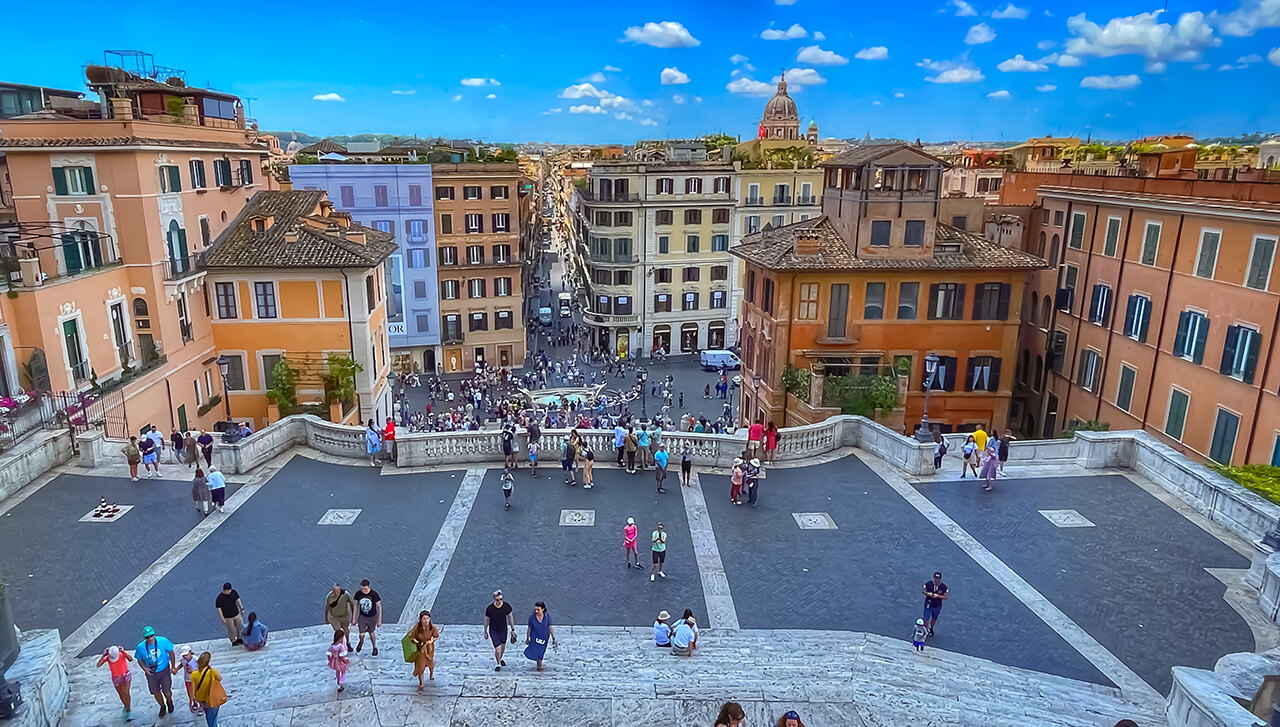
60, 181
1146, 320
1229, 350
175, 180
1251, 356
1180, 338
1202, 333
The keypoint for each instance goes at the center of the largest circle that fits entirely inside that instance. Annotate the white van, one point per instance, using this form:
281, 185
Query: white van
713, 360
544, 316
566, 305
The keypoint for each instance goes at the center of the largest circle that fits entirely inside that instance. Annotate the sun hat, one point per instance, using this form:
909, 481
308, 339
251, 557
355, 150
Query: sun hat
113, 653
663, 615
755, 462
919, 622
148, 632
184, 650
737, 460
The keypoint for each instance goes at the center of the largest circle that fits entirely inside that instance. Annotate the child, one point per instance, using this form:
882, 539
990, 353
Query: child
533, 459
338, 660
186, 665
918, 634
117, 661
508, 484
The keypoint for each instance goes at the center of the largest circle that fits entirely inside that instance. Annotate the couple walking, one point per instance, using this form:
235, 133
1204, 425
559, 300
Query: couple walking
499, 625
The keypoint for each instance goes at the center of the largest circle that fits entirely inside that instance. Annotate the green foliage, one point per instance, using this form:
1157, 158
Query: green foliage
209, 404
174, 106
1263, 479
718, 141
306, 159
861, 394
1086, 425
284, 393
797, 382
340, 382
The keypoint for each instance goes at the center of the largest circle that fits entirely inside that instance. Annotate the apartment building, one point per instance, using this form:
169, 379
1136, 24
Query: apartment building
478, 253
876, 284
293, 279
396, 199
1160, 313
114, 206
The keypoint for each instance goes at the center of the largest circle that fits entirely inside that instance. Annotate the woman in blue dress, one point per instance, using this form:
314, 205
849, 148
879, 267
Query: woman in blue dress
254, 633
539, 631
372, 443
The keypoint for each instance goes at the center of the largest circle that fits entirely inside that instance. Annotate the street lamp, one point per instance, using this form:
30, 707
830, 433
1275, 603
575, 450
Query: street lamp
756, 380
923, 432
230, 433
641, 376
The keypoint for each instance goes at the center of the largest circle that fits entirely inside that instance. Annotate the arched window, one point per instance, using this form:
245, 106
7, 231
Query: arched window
1024, 366
1045, 310
140, 308
1053, 250
1035, 383
1040, 250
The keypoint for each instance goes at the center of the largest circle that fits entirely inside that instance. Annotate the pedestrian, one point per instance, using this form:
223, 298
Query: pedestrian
731, 715
254, 633
588, 463
217, 488
229, 610
736, 475
688, 616
117, 661
424, 636
508, 485
205, 441
176, 443
755, 433
970, 451
150, 456
935, 592
509, 444
200, 492
918, 634
632, 443
368, 615
751, 478
660, 466
682, 400
372, 443
537, 633
620, 441
190, 451
659, 540
1005, 440
568, 458
980, 438
706, 391
155, 655
132, 455
629, 535
939, 450
770, 442
686, 465
533, 459
337, 655
498, 623
245, 430
643, 440
208, 691
990, 464
389, 437
682, 638
662, 630
340, 611
187, 665
791, 718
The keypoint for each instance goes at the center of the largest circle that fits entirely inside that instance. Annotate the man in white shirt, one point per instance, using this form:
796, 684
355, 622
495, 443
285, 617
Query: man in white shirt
682, 639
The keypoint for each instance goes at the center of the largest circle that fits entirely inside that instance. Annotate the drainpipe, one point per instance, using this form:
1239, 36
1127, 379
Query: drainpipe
1262, 388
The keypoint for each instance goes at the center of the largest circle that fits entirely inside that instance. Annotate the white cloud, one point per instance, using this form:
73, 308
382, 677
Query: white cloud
583, 90
819, 35
749, 87
951, 71
1063, 60
1046, 44
697, 99
678, 99
480, 82
737, 58
795, 31
874, 53
1010, 12
648, 122
408, 92
457, 97
875, 103
1251, 58
331, 96
552, 112
491, 96
612, 69
963, 9
1274, 56
597, 77
1018, 64
979, 34
999, 94
1046, 88
1157, 67
1143, 35
899, 94
667, 34
1111, 82
1248, 18
802, 77
814, 55
586, 109
673, 76
622, 116
784, 2
646, 102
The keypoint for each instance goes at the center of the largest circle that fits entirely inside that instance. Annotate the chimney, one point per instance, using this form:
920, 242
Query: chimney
807, 244
356, 235
122, 109
291, 235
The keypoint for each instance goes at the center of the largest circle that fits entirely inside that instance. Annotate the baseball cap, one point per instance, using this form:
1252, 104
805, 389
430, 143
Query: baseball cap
184, 650
631, 521
919, 622
937, 574
148, 632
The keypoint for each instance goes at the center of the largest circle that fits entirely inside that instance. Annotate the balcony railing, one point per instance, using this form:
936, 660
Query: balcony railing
615, 259
80, 371
755, 201
782, 199
32, 260
806, 200
452, 337
592, 196
183, 267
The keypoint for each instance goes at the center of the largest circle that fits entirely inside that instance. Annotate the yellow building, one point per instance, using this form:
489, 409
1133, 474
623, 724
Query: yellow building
291, 278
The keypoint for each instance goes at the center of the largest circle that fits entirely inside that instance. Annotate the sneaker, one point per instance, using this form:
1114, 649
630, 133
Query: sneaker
240, 642
128, 716
169, 705
359, 646
135, 479
587, 486
664, 575
661, 491
650, 580
497, 668
508, 506
502, 662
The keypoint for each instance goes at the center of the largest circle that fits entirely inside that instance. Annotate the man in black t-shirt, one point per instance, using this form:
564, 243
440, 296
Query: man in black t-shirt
497, 622
229, 610
509, 443
368, 615
935, 592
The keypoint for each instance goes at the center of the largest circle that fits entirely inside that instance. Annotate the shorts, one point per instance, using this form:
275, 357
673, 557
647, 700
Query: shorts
566, 464
686, 466
161, 681
498, 637
506, 450
659, 556
123, 679
931, 612
150, 458
366, 624
1004, 456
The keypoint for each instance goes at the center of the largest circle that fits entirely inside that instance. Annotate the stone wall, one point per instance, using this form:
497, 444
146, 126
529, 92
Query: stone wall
43, 678
37, 455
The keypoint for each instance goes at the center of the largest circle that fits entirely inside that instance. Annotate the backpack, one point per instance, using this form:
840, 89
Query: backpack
943, 449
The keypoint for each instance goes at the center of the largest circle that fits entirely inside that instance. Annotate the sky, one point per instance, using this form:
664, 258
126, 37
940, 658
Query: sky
617, 72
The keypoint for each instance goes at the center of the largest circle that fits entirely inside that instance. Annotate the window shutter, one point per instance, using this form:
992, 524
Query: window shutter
89, 186
933, 302
1251, 356
1180, 338
1129, 313
957, 310
994, 380
175, 180
1081, 368
968, 374
1146, 320
1003, 311
1202, 334
977, 306
1094, 298
59, 181
1106, 309
951, 373
1229, 350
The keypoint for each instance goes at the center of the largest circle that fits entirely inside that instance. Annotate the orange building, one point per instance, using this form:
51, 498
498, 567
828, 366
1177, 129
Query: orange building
874, 285
114, 206
1161, 311
291, 278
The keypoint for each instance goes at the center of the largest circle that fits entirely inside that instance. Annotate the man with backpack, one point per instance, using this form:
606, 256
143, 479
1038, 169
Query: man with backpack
939, 450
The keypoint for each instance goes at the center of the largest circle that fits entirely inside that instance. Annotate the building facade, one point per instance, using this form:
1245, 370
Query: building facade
396, 199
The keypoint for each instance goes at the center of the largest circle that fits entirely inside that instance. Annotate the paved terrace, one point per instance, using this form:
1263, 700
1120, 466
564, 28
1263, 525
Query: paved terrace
805, 602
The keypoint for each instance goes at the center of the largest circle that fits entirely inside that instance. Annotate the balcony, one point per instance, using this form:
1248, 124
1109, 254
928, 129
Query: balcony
591, 196
781, 199
36, 254
614, 259
81, 371
611, 320
806, 200
755, 201
449, 338
184, 267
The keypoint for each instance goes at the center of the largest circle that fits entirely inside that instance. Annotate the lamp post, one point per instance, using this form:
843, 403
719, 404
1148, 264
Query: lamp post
923, 432
230, 433
641, 376
756, 380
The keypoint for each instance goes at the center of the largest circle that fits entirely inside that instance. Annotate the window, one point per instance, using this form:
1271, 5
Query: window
1067, 293
662, 275
1057, 218
471, 191
1124, 389
1224, 437
914, 233
718, 299
1112, 241
604, 218
1176, 417
991, 302
946, 302
502, 253
662, 303
475, 254
417, 258
415, 199
908, 293
415, 229
1240, 353
838, 313
944, 377
779, 221
1188, 342
235, 372
419, 289
479, 320
1137, 317
960, 222
475, 223
691, 274
501, 222
448, 255
444, 192
722, 185
449, 289
452, 328
693, 185
1075, 237
1207, 255
663, 217
753, 224
664, 244
1057, 350
622, 249
782, 194
880, 233
370, 291
197, 174
719, 272
382, 225
690, 301
206, 236
1090, 369
1100, 305
246, 172
73, 181
1261, 258
422, 322
225, 294
766, 295
222, 172
503, 318
1150, 243
719, 243
446, 224
750, 292
476, 288
622, 277
265, 296
983, 374
808, 302
693, 217
502, 191
666, 185
691, 243
720, 216
873, 308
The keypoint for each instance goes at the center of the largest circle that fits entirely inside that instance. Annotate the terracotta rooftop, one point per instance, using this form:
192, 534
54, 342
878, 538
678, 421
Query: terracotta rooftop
299, 236
775, 249
37, 142
860, 155
324, 146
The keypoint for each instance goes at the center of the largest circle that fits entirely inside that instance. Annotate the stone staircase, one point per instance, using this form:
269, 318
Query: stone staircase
613, 676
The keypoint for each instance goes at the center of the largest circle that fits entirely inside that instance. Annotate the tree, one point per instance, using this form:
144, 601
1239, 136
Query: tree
340, 382
284, 390
797, 382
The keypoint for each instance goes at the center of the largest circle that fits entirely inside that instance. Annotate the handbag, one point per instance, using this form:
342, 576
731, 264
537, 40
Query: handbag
217, 695
409, 648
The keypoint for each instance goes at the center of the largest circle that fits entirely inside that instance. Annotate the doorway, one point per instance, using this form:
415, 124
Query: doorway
453, 360
688, 337
715, 335
1050, 417
429, 361
75, 354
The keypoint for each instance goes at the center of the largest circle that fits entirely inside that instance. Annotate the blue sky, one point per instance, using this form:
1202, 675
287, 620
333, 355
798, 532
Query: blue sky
511, 71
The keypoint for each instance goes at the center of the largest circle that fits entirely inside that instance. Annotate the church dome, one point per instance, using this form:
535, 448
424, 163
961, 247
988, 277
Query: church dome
781, 107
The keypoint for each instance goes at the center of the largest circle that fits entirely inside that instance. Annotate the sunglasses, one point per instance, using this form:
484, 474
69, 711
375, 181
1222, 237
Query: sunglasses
791, 715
